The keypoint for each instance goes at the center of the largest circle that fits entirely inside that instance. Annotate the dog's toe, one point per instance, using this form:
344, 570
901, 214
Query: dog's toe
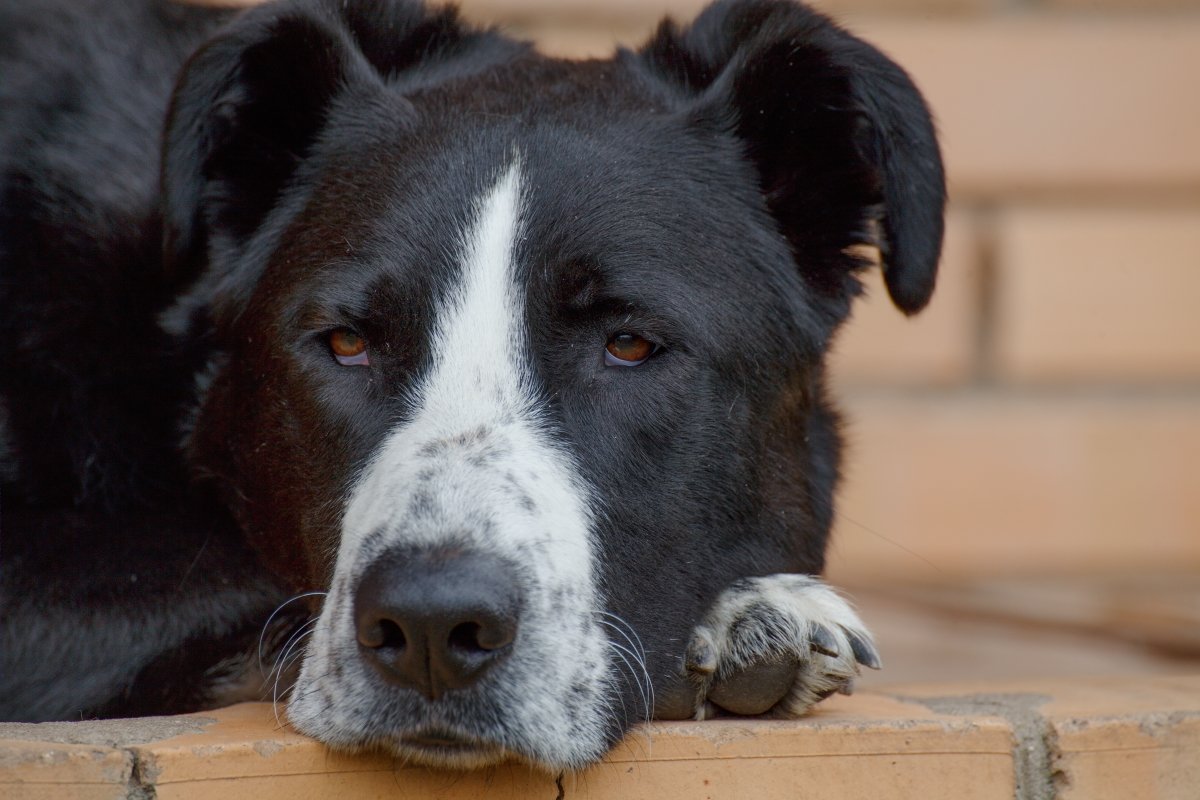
777, 645
755, 689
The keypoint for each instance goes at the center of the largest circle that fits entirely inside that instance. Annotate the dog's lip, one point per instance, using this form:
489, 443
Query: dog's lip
439, 738
447, 741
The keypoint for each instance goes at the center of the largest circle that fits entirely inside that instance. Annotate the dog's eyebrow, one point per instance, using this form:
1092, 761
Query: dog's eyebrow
333, 305
614, 306
586, 288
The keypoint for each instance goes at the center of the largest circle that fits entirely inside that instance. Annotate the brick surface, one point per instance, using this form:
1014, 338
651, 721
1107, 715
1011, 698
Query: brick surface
1123, 5
36, 770
1026, 104
646, 12
1158, 612
975, 484
870, 745
1035, 104
1094, 739
960, 631
246, 756
882, 346
1117, 740
1098, 294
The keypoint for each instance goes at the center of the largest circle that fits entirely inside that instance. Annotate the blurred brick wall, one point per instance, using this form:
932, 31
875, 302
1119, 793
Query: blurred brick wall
1044, 414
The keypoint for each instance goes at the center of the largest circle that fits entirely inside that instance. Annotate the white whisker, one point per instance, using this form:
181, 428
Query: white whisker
267, 625
634, 651
284, 661
291, 642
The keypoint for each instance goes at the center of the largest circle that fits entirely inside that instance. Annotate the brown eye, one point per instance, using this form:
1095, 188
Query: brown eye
348, 347
627, 350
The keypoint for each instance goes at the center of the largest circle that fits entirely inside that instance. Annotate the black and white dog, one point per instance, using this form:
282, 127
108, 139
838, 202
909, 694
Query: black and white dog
511, 369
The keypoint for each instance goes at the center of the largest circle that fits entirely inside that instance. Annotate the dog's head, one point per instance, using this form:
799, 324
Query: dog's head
522, 359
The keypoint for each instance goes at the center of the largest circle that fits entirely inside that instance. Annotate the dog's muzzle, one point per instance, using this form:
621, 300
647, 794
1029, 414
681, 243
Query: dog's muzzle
436, 620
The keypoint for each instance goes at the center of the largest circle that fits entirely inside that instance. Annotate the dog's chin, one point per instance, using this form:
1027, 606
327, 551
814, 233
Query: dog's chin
438, 750
445, 749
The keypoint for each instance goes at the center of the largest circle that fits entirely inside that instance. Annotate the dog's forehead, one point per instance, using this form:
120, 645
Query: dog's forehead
532, 85
616, 184
589, 135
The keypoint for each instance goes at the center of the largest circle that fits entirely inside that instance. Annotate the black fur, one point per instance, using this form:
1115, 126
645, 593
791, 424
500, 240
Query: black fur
317, 159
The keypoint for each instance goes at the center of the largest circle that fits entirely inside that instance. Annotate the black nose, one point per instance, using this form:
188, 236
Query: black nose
436, 620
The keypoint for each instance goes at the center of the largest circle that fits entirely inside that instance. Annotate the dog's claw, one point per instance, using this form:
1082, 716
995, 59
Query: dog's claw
822, 639
864, 650
776, 645
701, 655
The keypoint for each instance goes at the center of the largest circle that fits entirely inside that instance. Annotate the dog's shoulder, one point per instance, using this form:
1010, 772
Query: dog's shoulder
92, 488
83, 90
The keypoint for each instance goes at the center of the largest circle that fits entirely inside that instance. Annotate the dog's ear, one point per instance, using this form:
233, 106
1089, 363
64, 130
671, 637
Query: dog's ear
250, 104
843, 142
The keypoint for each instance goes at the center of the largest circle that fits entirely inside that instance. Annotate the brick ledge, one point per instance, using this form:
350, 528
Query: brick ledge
1094, 739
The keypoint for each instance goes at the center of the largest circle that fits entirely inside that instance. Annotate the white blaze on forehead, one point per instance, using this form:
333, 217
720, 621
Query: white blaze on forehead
476, 466
478, 398
478, 338
473, 382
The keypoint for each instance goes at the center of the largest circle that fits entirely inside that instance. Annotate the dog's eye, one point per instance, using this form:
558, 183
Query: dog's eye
627, 350
348, 347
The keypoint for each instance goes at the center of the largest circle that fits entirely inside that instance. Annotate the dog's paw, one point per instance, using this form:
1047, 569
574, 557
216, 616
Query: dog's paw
777, 645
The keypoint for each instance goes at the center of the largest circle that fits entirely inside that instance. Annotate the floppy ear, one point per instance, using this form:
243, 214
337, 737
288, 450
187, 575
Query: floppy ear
250, 104
842, 140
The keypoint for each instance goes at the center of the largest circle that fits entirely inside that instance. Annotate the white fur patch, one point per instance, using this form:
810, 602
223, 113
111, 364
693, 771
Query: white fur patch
475, 466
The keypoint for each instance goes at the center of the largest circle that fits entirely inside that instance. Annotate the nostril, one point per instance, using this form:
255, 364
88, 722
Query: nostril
392, 635
465, 638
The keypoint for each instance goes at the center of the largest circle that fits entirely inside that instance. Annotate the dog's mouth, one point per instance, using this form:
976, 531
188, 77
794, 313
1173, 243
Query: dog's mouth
444, 747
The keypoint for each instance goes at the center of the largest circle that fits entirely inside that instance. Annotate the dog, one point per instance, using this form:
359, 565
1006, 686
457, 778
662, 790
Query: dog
479, 394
